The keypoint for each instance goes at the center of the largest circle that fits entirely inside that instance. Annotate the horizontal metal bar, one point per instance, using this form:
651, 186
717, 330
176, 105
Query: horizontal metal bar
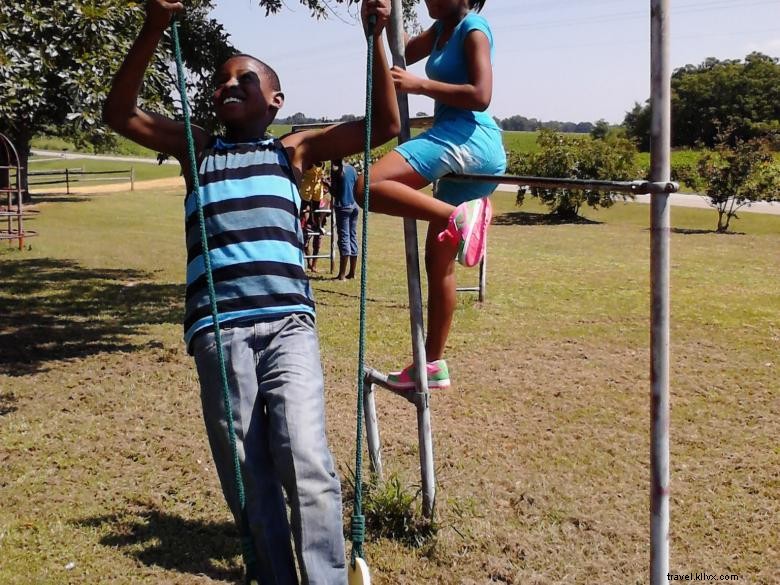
103, 179
558, 183
467, 289
123, 171
372, 376
421, 122
54, 182
25, 213
55, 172
14, 234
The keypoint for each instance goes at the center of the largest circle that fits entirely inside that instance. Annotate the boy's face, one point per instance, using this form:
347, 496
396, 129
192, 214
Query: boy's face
242, 94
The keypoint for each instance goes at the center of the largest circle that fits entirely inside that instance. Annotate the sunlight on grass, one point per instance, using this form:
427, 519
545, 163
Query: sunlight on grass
541, 446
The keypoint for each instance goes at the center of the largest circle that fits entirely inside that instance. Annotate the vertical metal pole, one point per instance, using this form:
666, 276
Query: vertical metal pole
660, 145
424, 434
483, 278
132, 178
67, 182
332, 235
372, 428
19, 208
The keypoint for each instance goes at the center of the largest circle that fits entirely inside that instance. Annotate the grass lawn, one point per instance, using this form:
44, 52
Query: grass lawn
143, 171
541, 446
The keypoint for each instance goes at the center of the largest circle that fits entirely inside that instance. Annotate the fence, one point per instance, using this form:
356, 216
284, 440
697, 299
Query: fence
78, 175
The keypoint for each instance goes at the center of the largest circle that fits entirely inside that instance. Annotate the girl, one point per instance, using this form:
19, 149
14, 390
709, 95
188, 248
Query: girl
464, 139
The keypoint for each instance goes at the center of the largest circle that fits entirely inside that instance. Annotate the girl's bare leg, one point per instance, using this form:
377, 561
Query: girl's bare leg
395, 191
440, 266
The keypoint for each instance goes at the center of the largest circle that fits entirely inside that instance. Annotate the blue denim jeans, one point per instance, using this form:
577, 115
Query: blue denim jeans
346, 226
276, 391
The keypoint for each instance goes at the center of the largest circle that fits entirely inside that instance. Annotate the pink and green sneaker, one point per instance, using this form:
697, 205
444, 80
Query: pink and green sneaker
438, 377
468, 228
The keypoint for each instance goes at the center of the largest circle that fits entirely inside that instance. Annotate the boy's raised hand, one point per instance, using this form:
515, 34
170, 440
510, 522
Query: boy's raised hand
159, 12
378, 8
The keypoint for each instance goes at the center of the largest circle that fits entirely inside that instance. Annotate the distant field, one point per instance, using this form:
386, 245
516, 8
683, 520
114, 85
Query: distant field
143, 171
124, 147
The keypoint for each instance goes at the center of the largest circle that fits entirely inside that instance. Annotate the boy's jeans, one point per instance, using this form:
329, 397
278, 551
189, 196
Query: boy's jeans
346, 227
276, 387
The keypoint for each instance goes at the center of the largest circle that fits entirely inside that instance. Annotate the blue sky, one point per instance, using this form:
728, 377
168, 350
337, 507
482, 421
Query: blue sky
569, 60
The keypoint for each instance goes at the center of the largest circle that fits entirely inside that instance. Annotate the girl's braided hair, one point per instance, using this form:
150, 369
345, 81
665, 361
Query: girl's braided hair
477, 4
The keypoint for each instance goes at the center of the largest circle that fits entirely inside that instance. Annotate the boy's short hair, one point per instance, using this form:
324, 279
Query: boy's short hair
268, 72
477, 4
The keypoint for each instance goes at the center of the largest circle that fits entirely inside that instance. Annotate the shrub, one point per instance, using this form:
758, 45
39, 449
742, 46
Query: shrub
612, 158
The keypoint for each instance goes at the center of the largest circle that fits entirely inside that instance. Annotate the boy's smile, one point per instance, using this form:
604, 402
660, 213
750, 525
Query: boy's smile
244, 100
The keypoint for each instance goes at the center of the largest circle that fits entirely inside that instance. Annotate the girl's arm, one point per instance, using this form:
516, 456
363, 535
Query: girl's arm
474, 95
419, 47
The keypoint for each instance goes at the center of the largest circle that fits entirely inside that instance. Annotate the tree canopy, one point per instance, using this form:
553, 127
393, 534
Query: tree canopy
57, 59
734, 96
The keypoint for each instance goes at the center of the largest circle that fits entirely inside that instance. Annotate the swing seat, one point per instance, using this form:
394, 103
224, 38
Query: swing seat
358, 573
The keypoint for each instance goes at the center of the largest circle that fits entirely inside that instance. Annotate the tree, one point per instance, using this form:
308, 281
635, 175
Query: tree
743, 96
637, 125
600, 130
57, 58
613, 158
735, 176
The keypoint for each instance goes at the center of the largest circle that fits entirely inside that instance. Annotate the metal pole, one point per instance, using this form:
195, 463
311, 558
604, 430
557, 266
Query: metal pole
132, 178
660, 145
483, 278
372, 427
425, 436
67, 182
332, 235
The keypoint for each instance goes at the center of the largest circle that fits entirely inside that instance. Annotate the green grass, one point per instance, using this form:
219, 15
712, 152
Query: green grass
521, 142
143, 171
541, 446
124, 147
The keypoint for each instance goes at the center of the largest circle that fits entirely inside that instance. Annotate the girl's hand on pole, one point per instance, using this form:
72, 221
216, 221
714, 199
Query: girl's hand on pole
159, 12
406, 82
378, 8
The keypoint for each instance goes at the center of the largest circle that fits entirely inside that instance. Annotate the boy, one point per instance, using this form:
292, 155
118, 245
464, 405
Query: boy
343, 179
250, 198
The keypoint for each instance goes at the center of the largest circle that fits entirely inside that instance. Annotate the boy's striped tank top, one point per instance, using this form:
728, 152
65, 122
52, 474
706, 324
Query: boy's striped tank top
250, 203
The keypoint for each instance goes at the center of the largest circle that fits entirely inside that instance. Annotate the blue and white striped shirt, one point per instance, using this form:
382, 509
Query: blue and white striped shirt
251, 207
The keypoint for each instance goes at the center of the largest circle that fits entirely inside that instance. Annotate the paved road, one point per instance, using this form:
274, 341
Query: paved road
72, 155
689, 200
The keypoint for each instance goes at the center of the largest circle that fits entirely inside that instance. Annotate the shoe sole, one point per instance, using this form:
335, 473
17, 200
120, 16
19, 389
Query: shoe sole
440, 385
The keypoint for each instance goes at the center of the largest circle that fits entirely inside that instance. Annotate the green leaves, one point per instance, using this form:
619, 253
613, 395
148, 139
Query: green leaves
57, 59
743, 96
735, 176
610, 158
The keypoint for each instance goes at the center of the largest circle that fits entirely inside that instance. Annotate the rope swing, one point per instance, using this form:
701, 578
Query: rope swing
358, 569
247, 540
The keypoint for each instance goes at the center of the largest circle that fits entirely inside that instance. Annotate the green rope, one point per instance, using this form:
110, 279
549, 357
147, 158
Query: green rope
358, 520
247, 543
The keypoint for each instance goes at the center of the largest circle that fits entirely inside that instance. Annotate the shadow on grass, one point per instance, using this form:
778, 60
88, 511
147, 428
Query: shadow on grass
527, 218
693, 232
58, 198
57, 309
7, 400
158, 539
319, 292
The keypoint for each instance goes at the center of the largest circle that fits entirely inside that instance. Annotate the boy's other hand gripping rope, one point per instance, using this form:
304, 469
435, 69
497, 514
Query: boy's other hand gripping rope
247, 541
358, 520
